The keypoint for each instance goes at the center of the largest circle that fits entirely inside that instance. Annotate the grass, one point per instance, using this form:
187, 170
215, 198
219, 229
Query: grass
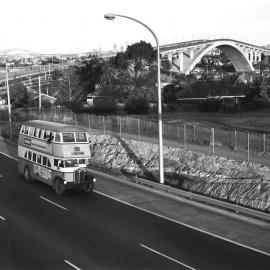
257, 121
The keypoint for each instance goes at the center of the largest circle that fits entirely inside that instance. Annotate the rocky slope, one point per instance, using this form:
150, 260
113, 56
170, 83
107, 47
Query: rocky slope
235, 181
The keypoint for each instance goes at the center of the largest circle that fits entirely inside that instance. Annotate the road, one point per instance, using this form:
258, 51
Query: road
39, 230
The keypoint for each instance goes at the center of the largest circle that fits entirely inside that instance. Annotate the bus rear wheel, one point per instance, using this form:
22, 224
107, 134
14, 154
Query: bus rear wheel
27, 175
59, 187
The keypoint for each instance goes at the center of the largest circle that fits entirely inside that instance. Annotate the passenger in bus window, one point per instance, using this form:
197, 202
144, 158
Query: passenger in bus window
61, 164
55, 162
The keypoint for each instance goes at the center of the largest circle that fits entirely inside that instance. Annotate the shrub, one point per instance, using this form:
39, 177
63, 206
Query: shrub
254, 104
209, 106
136, 105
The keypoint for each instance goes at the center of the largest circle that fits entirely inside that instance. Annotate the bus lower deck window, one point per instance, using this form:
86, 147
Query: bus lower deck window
44, 161
39, 159
34, 157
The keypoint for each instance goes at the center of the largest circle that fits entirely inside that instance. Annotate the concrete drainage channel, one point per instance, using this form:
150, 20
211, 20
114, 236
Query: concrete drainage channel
196, 197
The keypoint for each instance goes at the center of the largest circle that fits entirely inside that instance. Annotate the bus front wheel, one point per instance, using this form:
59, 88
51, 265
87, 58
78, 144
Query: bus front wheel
59, 187
88, 187
27, 175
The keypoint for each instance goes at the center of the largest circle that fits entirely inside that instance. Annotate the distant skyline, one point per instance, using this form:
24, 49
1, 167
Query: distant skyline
69, 26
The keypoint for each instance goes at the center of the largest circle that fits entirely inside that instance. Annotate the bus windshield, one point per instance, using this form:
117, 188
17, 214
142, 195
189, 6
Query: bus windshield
71, 163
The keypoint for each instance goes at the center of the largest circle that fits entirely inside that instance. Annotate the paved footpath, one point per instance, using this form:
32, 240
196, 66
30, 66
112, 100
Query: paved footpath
220, 223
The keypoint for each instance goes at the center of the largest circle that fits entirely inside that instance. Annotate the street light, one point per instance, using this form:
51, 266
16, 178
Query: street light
8, 97
110, 16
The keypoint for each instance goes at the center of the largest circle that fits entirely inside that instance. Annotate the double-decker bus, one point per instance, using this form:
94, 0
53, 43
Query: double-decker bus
56, 154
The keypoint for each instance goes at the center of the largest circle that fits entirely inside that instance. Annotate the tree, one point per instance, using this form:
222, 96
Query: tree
89, 75
142, 56
120, 60
166, 66
18, 95
169, 93
135, 105
69, 89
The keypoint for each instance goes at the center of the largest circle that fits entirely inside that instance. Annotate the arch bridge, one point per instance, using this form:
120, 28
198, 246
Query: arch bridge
185, 55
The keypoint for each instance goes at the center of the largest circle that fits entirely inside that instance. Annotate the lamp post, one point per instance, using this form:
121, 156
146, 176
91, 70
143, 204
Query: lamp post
110, 16
8, 97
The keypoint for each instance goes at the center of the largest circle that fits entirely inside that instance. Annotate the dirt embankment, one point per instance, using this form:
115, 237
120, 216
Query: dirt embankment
235, 181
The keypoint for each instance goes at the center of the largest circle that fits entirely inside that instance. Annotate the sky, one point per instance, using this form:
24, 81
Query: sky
78, 26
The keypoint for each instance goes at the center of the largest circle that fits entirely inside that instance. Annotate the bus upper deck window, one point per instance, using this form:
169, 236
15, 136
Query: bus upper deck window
22, 129
26, 130
31, 131
40, 134
68, 137
34, 157
57, 137
81, 137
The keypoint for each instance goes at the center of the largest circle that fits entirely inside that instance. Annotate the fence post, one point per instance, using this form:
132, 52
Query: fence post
248, 147
194, 133
43, 114
235, 142
103, 125
89, 123
127, 123
76, 119
185, 136
213, 140
264, 142
178, 132
120, 131
139, 131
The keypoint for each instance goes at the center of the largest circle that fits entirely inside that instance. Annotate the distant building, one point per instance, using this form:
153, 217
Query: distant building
96, 100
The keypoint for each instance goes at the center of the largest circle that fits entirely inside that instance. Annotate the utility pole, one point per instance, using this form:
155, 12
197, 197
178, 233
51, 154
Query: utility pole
39, 94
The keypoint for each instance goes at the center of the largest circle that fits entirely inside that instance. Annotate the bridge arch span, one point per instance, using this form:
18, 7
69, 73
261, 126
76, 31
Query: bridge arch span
22, 51
236, 55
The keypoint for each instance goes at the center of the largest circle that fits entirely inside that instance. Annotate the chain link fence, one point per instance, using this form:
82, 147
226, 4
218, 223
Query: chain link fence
184, 134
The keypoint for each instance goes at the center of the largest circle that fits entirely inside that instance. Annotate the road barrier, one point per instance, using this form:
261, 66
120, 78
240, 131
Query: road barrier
203, 199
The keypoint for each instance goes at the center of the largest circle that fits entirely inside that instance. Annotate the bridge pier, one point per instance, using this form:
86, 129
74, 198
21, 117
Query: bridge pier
181, 61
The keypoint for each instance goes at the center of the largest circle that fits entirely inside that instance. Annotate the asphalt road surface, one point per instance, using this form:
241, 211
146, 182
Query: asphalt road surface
40, 230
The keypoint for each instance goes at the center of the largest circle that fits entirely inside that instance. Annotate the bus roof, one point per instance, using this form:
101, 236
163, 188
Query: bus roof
52, 126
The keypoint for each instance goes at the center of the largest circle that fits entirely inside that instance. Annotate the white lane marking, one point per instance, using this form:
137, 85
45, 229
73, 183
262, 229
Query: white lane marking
186, 225
167, 257
54, 203
4, 154
72, 265
172, 220
2, 218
